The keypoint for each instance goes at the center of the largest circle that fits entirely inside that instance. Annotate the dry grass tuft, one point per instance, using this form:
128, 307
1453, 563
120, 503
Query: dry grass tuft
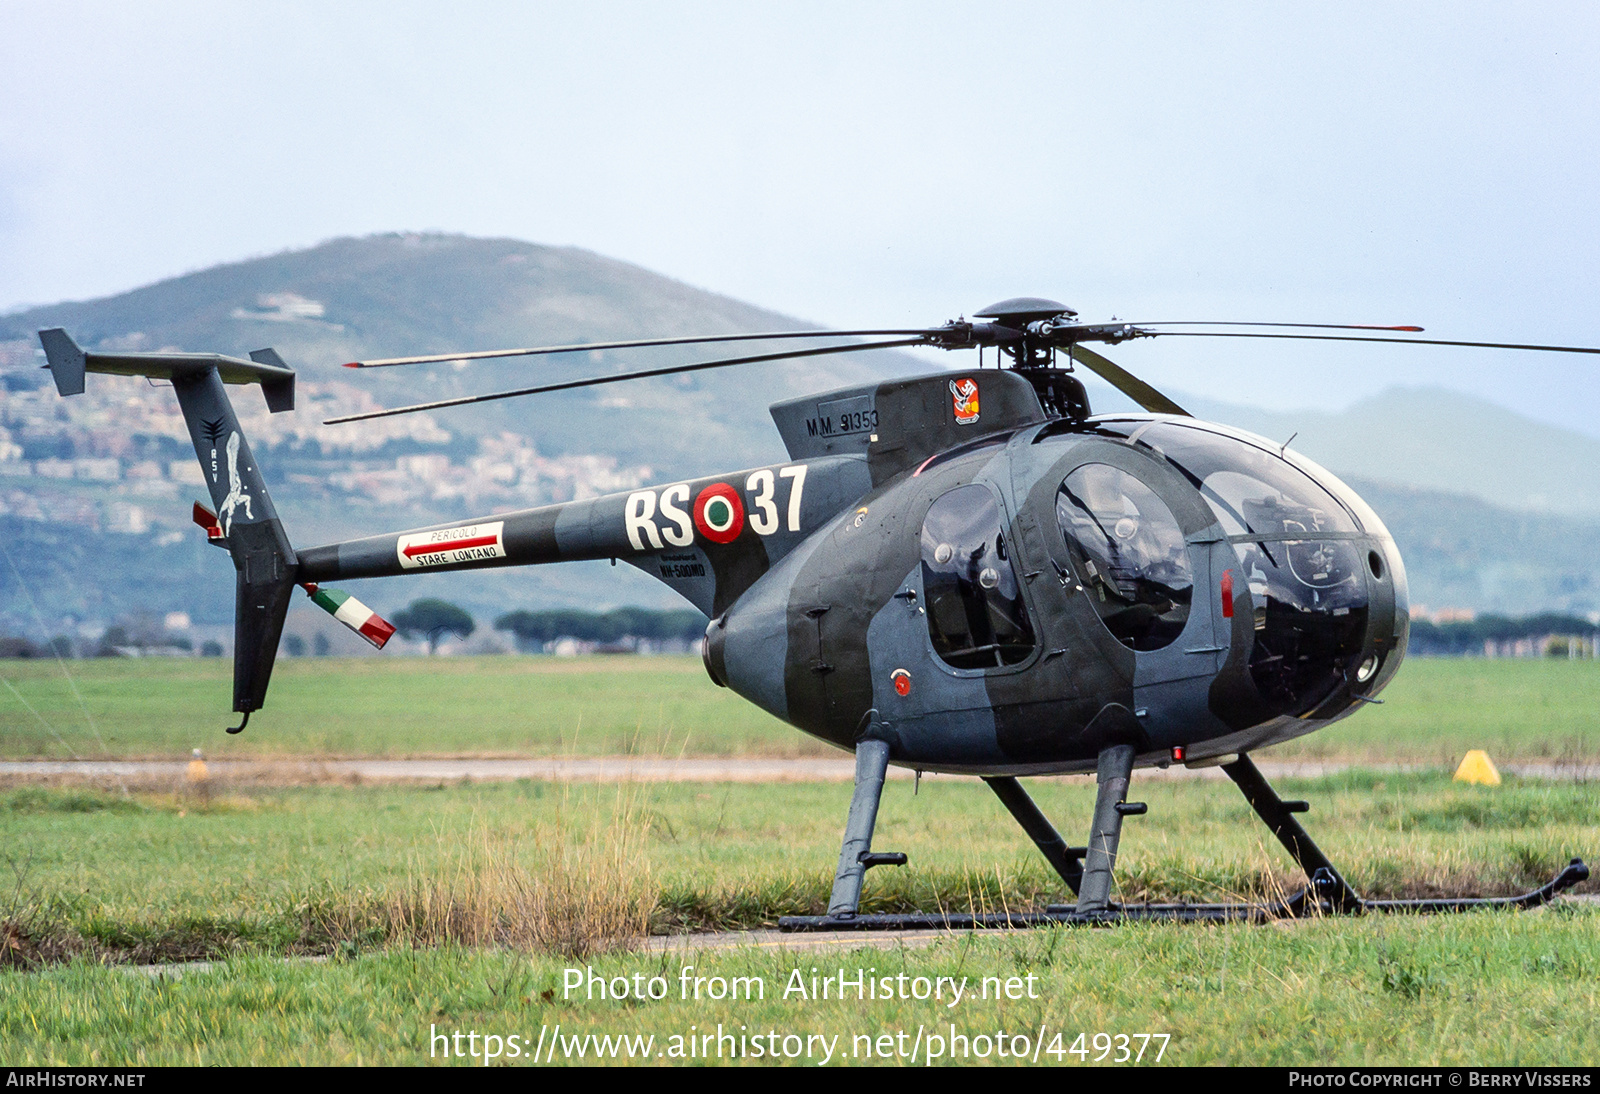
31, 943
587, 890
29, 935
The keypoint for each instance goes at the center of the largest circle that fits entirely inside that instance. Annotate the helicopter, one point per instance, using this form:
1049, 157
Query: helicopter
964, 572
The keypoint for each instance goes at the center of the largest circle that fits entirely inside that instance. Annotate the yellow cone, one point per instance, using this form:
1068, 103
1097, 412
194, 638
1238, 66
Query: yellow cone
1476, 767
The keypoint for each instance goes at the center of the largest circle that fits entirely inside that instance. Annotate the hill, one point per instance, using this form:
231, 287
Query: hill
1434, 439
410, 294
94, 491
1461, 552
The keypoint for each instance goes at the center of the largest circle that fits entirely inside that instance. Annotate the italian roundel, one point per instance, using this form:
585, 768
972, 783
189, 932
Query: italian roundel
719, 513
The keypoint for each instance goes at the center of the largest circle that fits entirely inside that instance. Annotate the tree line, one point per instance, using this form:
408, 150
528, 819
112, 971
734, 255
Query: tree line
684, 625
434, 619
1467, 637
429, 619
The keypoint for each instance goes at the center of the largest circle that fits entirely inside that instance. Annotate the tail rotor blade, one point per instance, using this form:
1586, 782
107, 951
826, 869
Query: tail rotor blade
351, 612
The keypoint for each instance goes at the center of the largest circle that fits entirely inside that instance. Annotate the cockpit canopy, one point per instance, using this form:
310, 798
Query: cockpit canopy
1301, 553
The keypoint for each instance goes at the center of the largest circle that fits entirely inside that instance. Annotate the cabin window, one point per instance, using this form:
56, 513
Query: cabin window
1129, 554
976, 617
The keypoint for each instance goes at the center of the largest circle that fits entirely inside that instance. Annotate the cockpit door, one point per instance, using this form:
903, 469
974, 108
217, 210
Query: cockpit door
1147, 580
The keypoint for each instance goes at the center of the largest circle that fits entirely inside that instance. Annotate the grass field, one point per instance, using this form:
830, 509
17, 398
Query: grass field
740, 854
343, 871
455, 706
1477, 989
449, 906
1435, 710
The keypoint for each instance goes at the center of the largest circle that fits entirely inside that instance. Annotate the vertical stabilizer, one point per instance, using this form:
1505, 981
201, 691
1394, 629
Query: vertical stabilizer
255, 537
249, 525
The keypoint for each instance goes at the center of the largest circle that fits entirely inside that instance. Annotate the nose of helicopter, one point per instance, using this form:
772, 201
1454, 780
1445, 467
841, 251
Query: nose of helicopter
1389, 630
1312, 598
1352, 637
1317, 628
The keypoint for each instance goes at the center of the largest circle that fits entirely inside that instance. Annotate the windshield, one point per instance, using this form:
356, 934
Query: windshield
1300, 553
1252, 491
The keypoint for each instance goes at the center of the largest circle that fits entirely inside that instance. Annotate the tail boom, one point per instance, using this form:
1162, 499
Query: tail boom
709, 539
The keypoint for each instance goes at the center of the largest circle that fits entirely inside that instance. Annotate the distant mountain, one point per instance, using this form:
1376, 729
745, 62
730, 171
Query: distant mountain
1434, 439
1461, 552
410, 294
1492, 511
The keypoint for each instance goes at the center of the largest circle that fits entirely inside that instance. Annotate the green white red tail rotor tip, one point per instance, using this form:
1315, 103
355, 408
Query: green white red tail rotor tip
352, 613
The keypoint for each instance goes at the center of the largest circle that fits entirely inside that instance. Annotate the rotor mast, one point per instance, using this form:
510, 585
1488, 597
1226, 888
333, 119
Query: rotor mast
1023, 329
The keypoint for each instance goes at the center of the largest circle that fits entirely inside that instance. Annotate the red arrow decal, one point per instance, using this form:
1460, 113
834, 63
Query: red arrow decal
434, 548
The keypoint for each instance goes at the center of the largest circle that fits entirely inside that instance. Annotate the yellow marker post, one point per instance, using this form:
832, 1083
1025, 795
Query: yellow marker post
199, 778
1476, 767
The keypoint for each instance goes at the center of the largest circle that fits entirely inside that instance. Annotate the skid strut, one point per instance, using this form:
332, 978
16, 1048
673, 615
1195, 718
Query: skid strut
856, 857
1066, 860
1114, 771
1279, 816
1326, 894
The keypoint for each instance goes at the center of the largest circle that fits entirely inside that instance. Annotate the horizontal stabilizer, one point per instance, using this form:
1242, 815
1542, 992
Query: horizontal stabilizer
68, 363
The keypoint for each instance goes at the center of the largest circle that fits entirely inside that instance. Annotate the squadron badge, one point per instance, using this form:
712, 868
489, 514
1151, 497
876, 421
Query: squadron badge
964, 400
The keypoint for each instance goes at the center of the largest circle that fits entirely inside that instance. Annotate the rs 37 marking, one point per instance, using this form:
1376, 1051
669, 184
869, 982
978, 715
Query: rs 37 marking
661, 518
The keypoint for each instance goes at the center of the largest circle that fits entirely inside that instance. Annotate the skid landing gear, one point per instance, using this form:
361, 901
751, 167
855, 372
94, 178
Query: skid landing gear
1088, 870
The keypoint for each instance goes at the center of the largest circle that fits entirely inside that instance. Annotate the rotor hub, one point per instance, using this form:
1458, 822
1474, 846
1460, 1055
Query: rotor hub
1019, 311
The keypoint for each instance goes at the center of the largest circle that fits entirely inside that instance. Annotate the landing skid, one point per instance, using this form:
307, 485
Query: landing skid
1327, 894
1298, 906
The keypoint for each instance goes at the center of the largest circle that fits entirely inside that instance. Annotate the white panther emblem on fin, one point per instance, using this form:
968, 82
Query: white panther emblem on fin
237, 494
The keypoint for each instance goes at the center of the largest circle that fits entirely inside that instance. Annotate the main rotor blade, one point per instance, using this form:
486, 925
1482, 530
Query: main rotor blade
598, 380
1226, 323
1127, 383
1362, 338
481, 355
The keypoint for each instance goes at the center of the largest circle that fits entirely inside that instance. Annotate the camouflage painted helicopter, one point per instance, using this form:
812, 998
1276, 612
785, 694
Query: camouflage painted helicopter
964, 572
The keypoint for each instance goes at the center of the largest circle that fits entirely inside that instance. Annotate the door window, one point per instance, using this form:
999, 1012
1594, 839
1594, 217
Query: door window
1129, 554
976, 617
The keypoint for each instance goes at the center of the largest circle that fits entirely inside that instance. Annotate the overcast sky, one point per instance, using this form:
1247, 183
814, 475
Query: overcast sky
866, 163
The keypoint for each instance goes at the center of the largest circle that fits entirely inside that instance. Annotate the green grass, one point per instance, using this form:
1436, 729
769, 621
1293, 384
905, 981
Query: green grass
1438, 708
1478, 989
301, 870
458, 706
319, 870
90, 876
1434, 712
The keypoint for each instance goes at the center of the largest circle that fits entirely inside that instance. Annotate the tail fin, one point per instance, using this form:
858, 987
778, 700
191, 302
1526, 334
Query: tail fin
250, 527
